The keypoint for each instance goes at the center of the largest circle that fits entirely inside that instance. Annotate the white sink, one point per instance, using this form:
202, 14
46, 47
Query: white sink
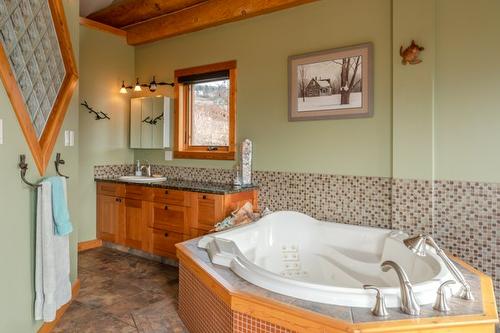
142, 179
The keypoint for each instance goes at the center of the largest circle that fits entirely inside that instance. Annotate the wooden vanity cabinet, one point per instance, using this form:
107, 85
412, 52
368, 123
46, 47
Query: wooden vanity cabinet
133, 227
155, 219
110, 212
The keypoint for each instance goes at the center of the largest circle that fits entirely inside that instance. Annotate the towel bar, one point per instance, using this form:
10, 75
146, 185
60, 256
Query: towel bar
24, 167
58, 162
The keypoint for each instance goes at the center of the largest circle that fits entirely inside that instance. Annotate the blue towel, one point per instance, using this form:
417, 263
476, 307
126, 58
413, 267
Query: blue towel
60, 210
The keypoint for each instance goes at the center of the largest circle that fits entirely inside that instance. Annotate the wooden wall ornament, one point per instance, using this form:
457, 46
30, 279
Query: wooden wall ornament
410, 54
37, 69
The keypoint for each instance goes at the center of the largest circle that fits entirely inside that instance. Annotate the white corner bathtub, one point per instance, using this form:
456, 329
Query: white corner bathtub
293, 254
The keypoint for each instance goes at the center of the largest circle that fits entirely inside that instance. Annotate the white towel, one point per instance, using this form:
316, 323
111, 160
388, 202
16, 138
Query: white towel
52, 266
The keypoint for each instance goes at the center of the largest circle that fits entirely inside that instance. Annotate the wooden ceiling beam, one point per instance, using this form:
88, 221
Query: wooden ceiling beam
204, 15
126, 12
102, 27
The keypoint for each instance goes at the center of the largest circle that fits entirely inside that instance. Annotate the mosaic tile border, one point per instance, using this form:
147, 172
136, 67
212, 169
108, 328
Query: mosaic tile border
464, 217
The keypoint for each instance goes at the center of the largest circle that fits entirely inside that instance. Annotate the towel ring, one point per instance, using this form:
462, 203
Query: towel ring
58, 162
24, 167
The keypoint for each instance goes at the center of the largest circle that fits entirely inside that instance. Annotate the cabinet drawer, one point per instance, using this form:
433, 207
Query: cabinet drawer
164, 242
138, 192
169, 217
207, 211
172, 197
198, 232
111, 189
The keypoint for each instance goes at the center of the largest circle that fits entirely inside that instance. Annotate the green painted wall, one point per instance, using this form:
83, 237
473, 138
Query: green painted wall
467, 122
17, 207
413, 90
437, 120
446, 120
105, 60
261, 46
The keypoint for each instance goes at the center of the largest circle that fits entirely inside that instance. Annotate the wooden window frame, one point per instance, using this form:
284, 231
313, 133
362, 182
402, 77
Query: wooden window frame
182, 148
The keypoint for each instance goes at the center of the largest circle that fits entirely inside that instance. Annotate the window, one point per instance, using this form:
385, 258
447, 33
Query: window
205, 112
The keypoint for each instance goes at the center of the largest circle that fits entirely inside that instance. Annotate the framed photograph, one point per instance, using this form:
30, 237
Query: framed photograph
331, 84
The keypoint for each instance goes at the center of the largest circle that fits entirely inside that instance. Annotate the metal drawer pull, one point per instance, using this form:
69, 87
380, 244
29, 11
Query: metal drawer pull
166, 192
166, 207
204, 197
166, 234
118, 200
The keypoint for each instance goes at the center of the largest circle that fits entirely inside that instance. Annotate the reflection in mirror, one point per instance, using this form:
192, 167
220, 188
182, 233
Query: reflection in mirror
150, 122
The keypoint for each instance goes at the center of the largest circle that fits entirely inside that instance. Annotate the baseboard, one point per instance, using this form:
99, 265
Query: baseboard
48, 327
88, 245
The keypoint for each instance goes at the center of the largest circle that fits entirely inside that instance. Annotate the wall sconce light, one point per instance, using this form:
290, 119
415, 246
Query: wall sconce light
123, 89
137, 85
152, 86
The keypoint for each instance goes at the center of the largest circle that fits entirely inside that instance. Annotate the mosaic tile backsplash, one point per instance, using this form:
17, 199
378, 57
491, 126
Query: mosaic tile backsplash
463, 217
30, 42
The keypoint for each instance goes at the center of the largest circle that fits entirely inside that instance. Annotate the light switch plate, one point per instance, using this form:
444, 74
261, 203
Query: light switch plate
1, 131
71, 138
66, 138
169, 156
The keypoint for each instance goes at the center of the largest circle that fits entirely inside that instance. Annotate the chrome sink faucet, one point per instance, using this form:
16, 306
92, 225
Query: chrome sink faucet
146, 169
409, 304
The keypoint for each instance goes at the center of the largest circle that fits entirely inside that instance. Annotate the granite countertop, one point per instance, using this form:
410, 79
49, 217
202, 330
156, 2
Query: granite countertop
348, 314
185, 185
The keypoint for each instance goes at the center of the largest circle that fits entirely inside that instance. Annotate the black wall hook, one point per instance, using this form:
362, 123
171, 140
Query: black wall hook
24, 167
58, 162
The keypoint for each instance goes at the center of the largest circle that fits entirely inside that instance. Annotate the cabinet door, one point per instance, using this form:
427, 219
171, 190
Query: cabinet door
134, 228
135, 123
109, 214
157, 128
147, 128
210, 211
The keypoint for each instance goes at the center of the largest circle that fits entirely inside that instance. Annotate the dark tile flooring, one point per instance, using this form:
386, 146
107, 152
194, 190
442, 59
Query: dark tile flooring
122, 293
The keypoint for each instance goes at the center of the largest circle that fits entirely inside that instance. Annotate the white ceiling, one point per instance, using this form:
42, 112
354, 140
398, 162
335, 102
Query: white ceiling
89, 6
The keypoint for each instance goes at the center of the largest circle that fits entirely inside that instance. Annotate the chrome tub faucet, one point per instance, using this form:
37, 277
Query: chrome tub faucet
409, 304
418, 244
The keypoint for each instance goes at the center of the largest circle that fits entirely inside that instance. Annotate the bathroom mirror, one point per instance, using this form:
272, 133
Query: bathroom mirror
37, 69
150, 122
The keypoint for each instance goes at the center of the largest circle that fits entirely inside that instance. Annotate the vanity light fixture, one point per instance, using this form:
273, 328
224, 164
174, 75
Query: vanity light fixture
152, 86
123, 89
137, 85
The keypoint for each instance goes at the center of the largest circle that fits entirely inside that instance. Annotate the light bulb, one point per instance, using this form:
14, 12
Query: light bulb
123, 89
137, 86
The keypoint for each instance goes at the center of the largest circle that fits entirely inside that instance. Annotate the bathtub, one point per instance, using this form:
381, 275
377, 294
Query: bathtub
295, 255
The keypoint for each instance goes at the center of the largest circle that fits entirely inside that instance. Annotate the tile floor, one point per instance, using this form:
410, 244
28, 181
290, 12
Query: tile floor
121, 293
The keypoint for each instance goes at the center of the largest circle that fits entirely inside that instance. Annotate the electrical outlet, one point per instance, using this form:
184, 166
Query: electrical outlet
169, 155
